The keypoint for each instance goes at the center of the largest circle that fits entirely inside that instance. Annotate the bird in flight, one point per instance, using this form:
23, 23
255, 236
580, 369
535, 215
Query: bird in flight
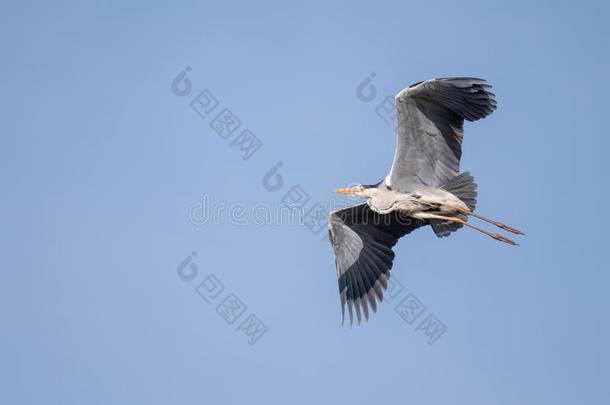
424, 187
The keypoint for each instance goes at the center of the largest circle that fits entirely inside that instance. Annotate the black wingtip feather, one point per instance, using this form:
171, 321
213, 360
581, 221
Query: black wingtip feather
475, 100
362, 282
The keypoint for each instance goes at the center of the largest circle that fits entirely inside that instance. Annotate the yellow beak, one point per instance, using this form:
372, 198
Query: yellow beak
347, 191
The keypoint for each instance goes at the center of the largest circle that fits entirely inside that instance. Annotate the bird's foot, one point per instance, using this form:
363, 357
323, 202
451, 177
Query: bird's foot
510, 229
504, 239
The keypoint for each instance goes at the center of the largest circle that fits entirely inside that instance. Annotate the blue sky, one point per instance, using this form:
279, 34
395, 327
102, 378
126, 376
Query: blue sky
103, 165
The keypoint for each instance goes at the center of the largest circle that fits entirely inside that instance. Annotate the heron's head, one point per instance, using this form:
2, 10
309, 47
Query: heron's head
360, 190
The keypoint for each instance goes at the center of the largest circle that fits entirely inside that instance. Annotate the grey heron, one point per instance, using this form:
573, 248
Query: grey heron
424, 187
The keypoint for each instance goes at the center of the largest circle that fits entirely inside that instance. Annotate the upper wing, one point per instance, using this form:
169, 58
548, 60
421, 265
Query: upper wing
430, 129
363, 241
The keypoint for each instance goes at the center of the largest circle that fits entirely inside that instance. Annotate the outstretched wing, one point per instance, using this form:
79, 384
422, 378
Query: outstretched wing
430, 129
363, 241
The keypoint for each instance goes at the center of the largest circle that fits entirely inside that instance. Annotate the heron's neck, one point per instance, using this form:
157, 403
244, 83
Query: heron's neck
369, 192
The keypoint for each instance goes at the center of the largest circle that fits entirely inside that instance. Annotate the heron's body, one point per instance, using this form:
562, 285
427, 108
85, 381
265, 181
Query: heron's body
417, 203
424, 185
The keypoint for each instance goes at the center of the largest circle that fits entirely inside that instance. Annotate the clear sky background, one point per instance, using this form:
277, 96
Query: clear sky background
101, 163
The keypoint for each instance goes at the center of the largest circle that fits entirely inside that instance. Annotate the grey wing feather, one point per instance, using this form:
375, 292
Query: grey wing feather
430, 129
363, 241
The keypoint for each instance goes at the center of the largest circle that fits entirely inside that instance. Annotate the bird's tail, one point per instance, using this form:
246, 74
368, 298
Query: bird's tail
463, 187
